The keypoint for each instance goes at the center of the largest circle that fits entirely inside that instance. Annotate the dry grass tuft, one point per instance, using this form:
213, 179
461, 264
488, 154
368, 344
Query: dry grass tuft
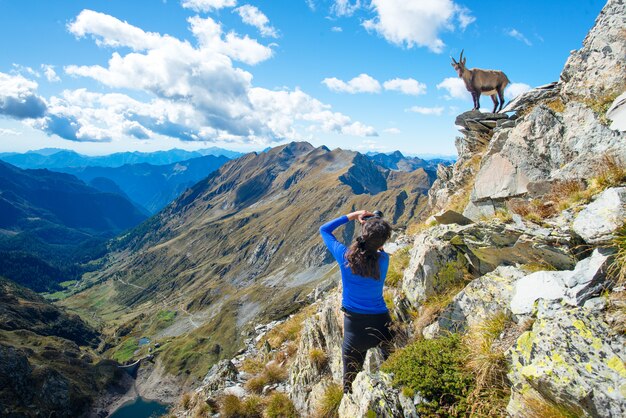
318, 358
275, 373
535, 406
253, 365
185, 401
617, 269
288, 330
486, 360
398, 262
233, 407
256, 384
329, 405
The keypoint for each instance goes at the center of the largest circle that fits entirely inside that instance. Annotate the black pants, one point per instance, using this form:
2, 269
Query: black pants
360, 333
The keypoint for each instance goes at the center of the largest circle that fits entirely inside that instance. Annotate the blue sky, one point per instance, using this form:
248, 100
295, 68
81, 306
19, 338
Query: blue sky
105, 76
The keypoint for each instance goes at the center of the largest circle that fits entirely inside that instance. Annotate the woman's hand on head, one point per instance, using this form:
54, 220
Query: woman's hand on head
359, 215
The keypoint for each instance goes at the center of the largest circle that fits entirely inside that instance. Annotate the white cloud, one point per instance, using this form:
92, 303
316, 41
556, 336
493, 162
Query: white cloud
281, 108
254, 17
417, 23
515, 89
345, 7
436, 111
406, 86
18, 97
207, 5
370, 145
363, 83
195, 91
455, 88
336, 29
51, 75
10, 132
392, 131
209, 34
514, 33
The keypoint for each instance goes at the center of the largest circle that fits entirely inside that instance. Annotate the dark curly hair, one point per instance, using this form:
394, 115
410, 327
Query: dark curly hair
363, 254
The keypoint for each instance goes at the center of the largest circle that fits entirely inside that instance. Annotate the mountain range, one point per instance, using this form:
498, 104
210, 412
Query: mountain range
150, 186
61, 158
50, 223
241, 244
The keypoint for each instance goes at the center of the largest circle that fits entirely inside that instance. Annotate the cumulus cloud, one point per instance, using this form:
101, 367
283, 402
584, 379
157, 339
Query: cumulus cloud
363, 83
195, 92
392, 131
436, 111
406, 86
18, 97
336, 29
417, 23
254, 17
49, 73
207, 5
515, 89
345, 7
455, 88
514, 33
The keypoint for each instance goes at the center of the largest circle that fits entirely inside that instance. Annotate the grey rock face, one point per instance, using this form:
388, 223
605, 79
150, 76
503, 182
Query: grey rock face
481, 298
599, 66
431, 252
531, 97
219, 377
602, 217
374, 392
572, 359
323, 331
573, 287
452, 217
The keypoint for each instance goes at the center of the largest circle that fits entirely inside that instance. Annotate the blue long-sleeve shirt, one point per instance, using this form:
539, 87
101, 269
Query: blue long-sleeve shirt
360, 294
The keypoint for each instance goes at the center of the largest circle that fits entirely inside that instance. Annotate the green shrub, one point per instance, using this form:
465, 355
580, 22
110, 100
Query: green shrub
435, 369
280, 406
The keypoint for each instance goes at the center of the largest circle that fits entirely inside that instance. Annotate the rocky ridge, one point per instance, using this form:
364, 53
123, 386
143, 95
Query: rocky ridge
547, 266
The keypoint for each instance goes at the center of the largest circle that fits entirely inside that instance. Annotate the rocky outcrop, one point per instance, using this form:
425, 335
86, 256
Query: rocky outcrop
323, 331
573, 360
600, 219
598, 68
479, 300
444, 254
573, 287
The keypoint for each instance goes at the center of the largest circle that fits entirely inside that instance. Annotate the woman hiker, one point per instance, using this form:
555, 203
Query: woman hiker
363, 271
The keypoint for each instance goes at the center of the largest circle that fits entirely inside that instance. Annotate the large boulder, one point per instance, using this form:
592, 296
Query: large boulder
574, 287
480, 299
572, 360
602, 217
374, 395
431, 253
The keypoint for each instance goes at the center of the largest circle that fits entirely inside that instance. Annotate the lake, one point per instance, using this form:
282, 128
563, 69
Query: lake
140, 408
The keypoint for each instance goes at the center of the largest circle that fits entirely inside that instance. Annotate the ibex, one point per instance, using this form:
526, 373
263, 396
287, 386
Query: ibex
487, 82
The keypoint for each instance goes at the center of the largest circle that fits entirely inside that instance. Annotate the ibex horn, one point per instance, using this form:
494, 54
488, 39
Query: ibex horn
461, 57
